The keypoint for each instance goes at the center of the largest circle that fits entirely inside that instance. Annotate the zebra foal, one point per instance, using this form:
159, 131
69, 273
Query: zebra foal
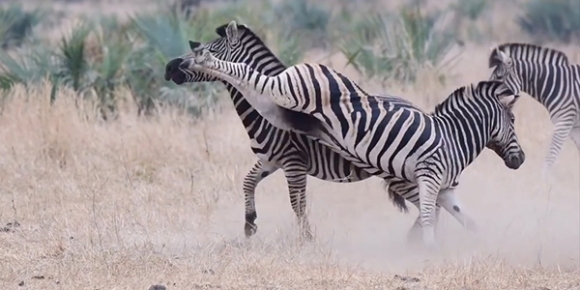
397, 143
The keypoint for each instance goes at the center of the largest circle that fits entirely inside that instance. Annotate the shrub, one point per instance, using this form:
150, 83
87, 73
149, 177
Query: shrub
303, 18
551, 20
467, 14
104, 54
99, 57
470, 9
397, 47
16, 25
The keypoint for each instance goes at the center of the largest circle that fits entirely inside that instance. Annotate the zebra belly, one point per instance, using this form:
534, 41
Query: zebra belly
392, 158
264, 154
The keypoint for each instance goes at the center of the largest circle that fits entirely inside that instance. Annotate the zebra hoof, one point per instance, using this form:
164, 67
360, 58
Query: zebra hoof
250, 229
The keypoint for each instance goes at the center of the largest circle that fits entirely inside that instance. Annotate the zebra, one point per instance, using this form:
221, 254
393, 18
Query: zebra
312, 158
396, 143
276, 149
548, 76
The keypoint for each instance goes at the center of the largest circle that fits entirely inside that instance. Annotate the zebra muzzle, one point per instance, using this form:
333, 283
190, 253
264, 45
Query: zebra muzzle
515, 161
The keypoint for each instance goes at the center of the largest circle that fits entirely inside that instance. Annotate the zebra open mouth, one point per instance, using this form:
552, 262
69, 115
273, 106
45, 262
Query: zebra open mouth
173, 73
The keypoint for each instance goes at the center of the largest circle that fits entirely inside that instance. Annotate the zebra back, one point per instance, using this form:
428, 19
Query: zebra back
528, 52
484, 90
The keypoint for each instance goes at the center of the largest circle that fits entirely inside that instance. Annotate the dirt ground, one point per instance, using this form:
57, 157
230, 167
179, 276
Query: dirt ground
128, 204
124, 205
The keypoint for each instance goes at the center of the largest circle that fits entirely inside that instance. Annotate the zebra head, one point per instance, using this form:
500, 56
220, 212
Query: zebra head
503, 139
505, 71
229, 46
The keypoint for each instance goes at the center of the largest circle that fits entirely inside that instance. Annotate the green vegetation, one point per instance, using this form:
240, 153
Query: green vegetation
104, 54
16, 25
304, 18
552, 20
397, 46
466, 20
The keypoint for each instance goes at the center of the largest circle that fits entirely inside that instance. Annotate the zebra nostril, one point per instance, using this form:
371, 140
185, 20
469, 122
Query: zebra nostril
515, 161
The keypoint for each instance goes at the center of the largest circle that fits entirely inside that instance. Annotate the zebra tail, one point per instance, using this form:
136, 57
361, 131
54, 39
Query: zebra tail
397, 200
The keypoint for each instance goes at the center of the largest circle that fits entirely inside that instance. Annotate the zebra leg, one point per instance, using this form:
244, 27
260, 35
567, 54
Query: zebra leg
450, 203
437, 214
575, 136
415, 231
296, 174
560, 134
428, 189
258, 172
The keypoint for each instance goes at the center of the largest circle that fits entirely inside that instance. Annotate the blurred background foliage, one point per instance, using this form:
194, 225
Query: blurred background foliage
103, 55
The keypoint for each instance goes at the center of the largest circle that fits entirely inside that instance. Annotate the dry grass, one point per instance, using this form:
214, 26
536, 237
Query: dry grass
132, 203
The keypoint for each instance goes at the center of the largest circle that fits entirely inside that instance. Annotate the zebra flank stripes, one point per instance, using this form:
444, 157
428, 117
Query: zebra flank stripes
395, 141
297, 155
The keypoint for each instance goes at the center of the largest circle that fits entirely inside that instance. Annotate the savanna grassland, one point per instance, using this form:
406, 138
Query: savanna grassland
113, 178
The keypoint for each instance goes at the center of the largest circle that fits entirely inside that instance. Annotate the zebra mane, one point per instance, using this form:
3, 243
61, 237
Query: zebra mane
244, 30
527, 52
483, 89
297, 120
248, 35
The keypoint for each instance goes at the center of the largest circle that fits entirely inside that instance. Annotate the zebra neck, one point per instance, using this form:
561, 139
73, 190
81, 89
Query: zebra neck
544, 81
261, 91
465, 134
261, 60
530, 76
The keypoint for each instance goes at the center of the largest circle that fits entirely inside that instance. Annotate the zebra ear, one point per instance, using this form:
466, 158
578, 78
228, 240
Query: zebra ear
509, 101
504, 57
193, 45
232, 32
493, 60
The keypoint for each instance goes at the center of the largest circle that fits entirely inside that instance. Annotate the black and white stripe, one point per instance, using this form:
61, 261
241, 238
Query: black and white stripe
548, 76
295, 154
398, 143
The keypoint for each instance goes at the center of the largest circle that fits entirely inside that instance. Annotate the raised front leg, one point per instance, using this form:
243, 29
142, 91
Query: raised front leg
450, 203
258, 172
560, 134
296, 177
575, 136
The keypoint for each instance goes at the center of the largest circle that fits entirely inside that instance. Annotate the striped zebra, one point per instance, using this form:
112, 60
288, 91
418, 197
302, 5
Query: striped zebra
546, 75
276, 149
296, 154
397, 143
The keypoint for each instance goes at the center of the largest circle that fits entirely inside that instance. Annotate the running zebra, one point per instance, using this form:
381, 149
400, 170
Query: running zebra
397, 143
294, 153
548, 76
